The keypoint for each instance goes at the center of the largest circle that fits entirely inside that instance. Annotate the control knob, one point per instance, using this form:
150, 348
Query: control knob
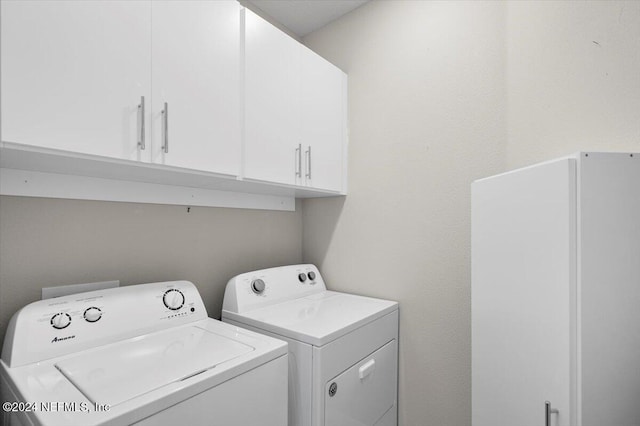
257, 286
312, 275
61, 320
302, 277
173, 299
92, 314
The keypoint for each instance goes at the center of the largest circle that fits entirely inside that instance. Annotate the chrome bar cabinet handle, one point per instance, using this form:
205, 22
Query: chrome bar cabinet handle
308, 153
299, 157
547, 413
141, 114
165, 115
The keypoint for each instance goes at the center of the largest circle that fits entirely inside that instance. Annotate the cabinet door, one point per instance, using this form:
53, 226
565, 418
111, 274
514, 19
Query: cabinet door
73, 73
271, 102
523, 296
323, 130
196, 54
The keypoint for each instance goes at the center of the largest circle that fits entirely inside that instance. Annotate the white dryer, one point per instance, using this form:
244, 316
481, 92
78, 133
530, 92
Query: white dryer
343, 350
145, 355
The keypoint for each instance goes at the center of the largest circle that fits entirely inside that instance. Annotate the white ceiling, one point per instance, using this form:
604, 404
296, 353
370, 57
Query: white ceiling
305, 16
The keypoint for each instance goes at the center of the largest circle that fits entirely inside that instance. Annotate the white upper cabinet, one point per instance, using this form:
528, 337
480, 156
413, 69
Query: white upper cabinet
196, 94
323, 121
196, 72
295, 111
73, 74
272, 113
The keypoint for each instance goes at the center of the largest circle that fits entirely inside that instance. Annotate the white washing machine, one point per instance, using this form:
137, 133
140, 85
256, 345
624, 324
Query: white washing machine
343, 349
145, 355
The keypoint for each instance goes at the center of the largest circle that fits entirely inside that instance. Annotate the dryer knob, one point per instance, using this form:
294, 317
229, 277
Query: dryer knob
312, 275
173, 299
60, 320
257, 286
302, 277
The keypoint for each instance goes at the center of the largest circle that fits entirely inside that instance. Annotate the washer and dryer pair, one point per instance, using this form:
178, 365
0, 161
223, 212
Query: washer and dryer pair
149, 355
343, 348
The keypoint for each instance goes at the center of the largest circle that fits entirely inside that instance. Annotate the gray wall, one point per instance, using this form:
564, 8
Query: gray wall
442, 93
47, 242
426, 116
573, 78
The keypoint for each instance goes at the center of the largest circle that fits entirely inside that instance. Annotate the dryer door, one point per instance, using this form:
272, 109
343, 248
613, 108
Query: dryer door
361, 395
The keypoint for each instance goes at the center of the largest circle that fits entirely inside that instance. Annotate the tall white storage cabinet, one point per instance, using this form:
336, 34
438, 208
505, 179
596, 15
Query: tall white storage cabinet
556, 294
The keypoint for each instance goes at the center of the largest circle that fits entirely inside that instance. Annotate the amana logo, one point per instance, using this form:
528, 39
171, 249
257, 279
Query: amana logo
60, 339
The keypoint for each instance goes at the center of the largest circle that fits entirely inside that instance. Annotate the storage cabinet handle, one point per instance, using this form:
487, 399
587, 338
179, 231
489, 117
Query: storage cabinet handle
141, 114
299, 157
547, 413
308, 154
165, 116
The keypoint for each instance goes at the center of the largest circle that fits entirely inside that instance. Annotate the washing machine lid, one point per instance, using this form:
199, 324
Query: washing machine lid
319, 318
122, 371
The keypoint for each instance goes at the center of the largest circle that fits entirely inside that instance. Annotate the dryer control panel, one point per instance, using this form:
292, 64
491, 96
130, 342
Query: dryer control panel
265, 287
59, 326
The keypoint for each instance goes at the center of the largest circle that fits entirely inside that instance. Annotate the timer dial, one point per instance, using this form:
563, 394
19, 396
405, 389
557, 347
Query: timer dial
173, 299
92, 314
257, 286
61, 320
312, 275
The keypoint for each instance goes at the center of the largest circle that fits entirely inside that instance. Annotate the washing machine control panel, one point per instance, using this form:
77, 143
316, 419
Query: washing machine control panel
270, 286
55, 327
